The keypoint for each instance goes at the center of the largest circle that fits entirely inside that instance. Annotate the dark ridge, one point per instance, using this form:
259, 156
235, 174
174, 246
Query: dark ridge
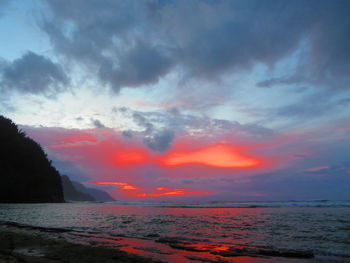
98, 195
26, 174
71, 193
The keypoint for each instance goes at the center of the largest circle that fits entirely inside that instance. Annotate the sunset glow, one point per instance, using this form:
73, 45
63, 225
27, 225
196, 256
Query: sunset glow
184, 96
177, 191
124, 186
129, 157
182, 131
318, 168
138, 191
218, 156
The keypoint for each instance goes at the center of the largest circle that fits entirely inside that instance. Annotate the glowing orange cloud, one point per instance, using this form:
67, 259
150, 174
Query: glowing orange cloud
221, 155
318, 168
124, 186
218, 155
107, 149
135, 191
128, 157
176, 191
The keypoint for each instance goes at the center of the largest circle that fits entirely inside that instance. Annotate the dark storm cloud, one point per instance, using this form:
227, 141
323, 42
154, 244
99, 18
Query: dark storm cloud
131, 43
160, 141
159, 127
268, 83
102, 35
34, 74
127, 133
3, 5
175, 120
315, 105
97, 123
156, 137
344, 102
142, 121
142, 64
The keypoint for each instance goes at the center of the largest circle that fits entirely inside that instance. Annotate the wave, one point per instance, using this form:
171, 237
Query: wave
216, 204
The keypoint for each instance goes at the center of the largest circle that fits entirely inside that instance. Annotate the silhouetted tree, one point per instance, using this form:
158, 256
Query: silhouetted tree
26, 175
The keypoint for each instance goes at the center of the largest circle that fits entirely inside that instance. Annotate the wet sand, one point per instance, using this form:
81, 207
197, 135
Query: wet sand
30, 244
23, 245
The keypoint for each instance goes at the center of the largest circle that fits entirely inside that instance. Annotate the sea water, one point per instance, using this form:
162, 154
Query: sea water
322, 227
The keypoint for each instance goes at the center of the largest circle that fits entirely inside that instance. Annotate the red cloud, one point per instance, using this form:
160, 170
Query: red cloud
132, 190
107, 146
219, 155
162, 191
108, 158
124, 186
318, 168
131, 156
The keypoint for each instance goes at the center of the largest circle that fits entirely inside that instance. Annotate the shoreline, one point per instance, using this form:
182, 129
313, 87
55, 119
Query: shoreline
33, 246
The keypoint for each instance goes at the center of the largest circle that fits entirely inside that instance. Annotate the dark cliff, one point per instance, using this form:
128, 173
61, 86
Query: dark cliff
72, 194
98, 195
26, 174
75, 191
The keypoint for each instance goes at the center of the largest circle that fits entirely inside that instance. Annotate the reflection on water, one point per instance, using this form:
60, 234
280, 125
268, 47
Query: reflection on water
172, 231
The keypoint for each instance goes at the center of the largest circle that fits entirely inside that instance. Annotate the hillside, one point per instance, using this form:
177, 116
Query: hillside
98, 195
26, 174
71, 193
75, 191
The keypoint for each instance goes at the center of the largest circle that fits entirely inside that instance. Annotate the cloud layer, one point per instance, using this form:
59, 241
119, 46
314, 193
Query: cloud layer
133, 43
239, 99
33, 73
290, 166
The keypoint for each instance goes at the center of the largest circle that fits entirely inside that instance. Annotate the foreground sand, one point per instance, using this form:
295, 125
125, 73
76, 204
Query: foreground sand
31, 244
21, 246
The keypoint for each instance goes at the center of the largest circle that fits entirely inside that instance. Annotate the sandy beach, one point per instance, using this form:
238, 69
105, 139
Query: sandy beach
39, 246
90, 232
32, 244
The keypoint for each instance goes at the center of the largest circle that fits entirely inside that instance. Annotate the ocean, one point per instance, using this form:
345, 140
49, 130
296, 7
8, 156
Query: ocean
310, 231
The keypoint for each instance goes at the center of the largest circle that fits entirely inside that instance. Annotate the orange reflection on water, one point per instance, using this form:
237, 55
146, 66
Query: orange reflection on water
176, 234
186, 252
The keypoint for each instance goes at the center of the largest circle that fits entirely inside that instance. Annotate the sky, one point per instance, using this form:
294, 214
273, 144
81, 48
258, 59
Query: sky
161, 100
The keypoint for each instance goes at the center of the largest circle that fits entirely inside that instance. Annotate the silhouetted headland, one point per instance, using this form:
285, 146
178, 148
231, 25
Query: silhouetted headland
72, 194
98, 195
27, 176
75, 191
